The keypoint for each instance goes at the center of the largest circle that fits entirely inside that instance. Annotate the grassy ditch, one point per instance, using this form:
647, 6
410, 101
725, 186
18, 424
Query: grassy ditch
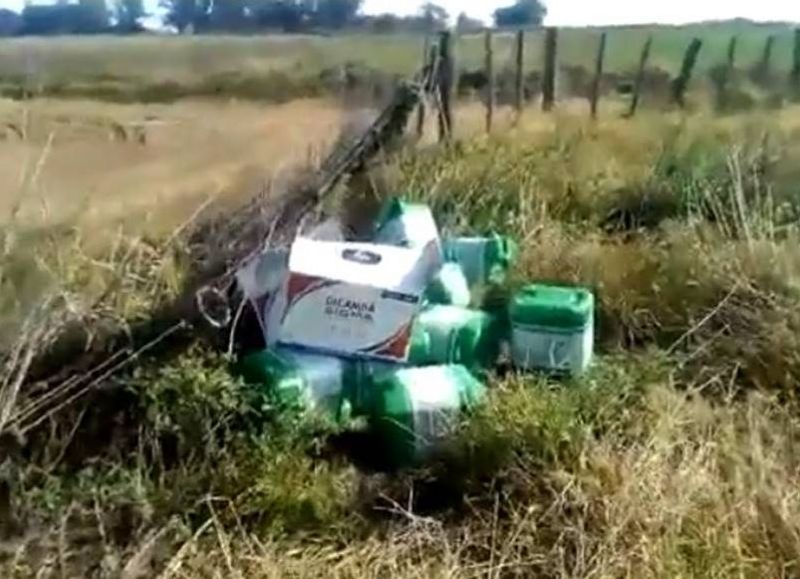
674, 456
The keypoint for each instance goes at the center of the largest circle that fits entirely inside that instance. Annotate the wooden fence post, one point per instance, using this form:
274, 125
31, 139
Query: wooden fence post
727, 74
519, 98
795, 76
639, 82
549, 78
681, 83
765, 66
428, 59
490, 81
598, 74
732, 53
445, 82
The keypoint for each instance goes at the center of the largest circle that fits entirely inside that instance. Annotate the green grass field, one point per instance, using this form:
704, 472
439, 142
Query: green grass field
283, 67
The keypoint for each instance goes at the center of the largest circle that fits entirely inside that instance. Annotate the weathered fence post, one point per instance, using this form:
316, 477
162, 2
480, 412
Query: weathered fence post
681, 83
765, 65
445, 82
490, 81
428, 59
727, 74
639, 82
731, 64
549, 77
795, 76
598, 74
519, 87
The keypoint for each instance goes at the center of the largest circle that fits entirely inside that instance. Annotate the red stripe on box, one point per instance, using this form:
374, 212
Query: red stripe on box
396, 346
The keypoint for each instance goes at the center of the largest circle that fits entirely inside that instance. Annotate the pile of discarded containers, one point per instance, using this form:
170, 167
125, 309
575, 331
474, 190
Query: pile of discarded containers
403, 330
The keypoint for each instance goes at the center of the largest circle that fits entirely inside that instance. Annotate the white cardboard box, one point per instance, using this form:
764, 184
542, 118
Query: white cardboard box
262, 279
354, 299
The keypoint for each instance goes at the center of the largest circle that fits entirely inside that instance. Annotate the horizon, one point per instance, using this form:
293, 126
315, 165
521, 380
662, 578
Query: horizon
578, 12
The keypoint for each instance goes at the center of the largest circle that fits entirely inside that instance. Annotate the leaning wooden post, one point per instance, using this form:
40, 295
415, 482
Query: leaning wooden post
519, 100
549, 79
795, 76
681, 83
639, 82
598, 73
445, 82
490, 81
428, 60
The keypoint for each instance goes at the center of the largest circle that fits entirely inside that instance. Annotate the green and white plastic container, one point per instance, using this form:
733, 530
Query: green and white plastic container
415, 409
361, 379
455, 335
449, 287
552, 328
406, 225
484, 260
298, 380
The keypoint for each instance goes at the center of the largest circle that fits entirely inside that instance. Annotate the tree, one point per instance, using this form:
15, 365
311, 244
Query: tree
186, 14
336, 13
85, 17
286, 15
94, 15
384, 23
228, 15
10, 22
178, 13
523, 13
434, 17
128, 13
466, 24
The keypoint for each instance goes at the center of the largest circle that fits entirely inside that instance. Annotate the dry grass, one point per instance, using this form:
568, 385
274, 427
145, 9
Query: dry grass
674, 221
279, 68
108, 164
161, 58
87, 196
675, 486
675, 457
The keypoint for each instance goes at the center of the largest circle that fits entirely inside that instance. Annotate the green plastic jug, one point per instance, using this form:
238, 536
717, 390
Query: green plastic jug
300, 381
552, 328
455, 335
449, 287
415, 409
360, 382
484, 260
406, 225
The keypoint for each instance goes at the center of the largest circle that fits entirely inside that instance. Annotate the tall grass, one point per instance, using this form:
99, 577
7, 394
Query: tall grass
675, 456
620, 476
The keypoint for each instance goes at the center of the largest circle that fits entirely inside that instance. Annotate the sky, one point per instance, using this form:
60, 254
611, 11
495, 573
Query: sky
594, 12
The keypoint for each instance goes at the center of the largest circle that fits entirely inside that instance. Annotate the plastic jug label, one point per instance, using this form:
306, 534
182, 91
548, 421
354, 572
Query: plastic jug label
435, 404
552, 350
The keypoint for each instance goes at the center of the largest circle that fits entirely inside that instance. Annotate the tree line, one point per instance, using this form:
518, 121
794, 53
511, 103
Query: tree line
244, 16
